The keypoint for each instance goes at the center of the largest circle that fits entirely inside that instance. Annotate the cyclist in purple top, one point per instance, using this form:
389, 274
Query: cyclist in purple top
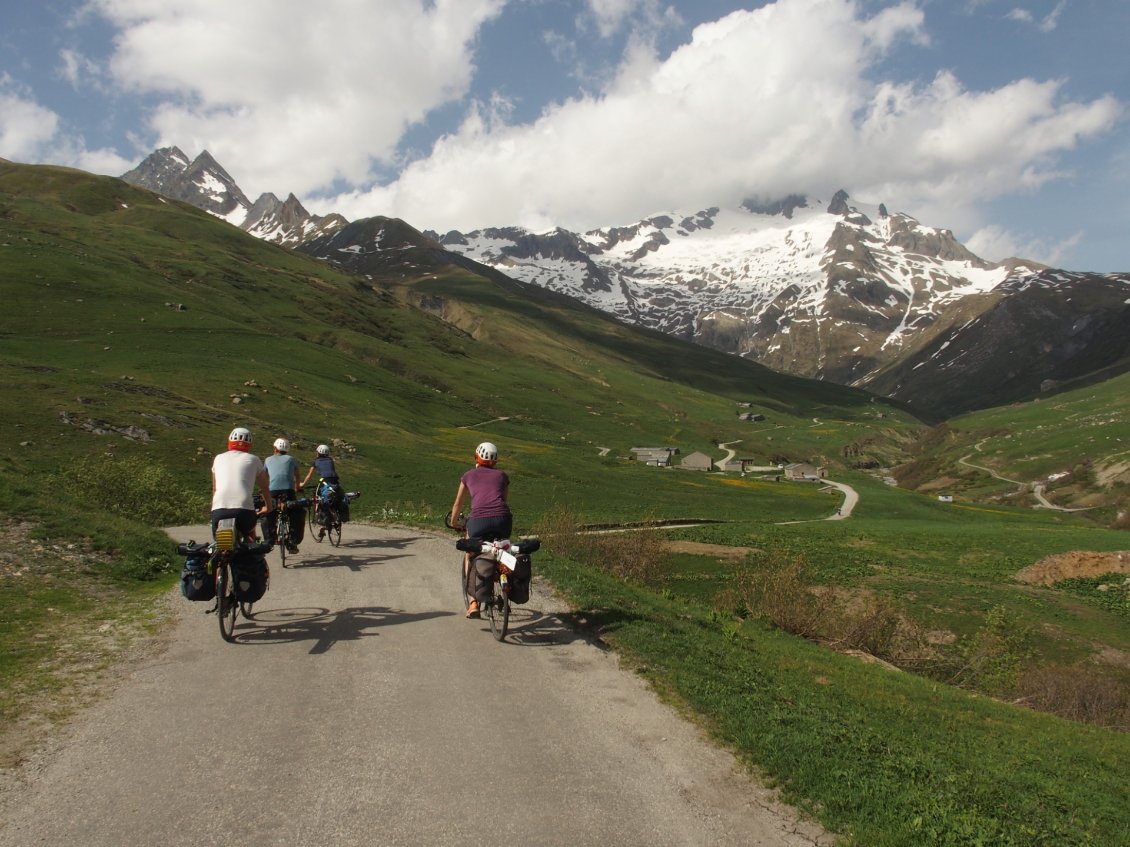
490, 514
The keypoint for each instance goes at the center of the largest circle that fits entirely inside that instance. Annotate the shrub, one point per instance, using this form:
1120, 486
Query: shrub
134, 488
992, 658
636, 555
1076, 693
779, 589
869, 623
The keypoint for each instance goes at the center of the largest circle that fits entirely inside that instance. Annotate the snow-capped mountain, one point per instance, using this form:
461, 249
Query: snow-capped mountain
839, 291
830, 290
202, 182
1029, 337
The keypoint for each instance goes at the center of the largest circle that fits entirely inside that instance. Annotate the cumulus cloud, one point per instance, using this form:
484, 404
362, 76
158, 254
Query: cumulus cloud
289, 95
25, 126
644, 16
767, 102
30, 132
996, 244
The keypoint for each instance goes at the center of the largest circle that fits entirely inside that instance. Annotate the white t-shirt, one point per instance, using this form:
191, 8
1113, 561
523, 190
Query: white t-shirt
235, 474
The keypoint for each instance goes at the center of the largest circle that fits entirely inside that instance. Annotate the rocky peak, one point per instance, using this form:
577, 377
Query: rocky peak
839, 204
786, 206
202, 182
159, 168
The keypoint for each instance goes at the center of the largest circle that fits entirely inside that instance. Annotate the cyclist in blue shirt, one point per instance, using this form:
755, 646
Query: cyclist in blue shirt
282, 469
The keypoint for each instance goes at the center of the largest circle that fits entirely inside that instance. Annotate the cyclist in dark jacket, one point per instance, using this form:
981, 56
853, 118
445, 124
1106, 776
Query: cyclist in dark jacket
324, 467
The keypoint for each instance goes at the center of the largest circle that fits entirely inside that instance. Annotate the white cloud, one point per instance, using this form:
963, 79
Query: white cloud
644, 16
1048, 23
772, 101
25, 126
288, 95
996, 244
32, 133
1051, 21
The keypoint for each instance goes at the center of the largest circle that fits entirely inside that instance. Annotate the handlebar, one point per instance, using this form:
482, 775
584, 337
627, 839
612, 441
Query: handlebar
459, 526
525, 546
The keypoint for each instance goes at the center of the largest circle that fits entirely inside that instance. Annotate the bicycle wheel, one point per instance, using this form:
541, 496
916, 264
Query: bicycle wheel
227, 606
499, 606
464, 578
282, 535
333, 529
314, 515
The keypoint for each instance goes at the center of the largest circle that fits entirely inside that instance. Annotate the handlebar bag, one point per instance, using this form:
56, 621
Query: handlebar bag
196, 583
469, 545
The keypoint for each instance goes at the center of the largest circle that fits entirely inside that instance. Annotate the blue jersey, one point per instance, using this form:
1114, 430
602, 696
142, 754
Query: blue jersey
281, 468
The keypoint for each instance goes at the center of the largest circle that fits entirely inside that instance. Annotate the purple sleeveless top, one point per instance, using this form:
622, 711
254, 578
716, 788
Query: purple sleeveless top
487, 487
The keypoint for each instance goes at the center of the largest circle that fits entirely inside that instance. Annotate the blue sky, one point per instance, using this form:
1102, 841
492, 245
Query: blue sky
1003, 120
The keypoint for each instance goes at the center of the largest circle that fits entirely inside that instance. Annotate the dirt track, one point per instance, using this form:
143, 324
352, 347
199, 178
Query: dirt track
359, 707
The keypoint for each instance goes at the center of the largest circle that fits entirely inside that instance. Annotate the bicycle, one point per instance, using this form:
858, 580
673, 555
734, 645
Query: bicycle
282, 512
500, 560
326, 515
226, 546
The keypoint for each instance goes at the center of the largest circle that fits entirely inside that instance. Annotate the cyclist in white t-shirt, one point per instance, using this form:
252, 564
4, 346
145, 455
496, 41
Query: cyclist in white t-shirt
234, 477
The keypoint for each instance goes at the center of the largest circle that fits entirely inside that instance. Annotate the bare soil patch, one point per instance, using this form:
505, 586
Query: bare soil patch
721, 551
1076, 564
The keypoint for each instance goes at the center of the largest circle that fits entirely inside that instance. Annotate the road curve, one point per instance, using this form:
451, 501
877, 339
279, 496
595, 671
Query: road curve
359, 707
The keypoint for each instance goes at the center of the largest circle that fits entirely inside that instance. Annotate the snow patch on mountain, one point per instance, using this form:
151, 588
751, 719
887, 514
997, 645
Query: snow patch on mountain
776, 281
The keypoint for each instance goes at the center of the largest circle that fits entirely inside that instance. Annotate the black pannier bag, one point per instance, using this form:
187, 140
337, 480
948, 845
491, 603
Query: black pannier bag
196, 583
520, 580
251, 576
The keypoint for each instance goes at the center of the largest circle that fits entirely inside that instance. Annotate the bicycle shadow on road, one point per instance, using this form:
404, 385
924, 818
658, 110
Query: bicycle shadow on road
534, 628
333, 559
383, 543
323, 627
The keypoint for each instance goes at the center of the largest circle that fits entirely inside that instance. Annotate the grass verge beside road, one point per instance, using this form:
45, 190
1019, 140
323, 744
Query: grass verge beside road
883, 757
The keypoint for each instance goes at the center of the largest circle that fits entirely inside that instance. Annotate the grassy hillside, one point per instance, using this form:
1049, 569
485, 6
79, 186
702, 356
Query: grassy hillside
1076, 445
125, 310
133, 325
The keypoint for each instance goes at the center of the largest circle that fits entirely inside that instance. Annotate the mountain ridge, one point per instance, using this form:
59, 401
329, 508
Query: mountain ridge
840, 291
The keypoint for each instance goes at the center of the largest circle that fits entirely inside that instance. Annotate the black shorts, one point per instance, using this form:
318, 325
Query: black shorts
490, 529
244, 519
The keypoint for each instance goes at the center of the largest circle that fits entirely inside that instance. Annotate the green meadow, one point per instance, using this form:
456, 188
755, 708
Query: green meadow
138, 331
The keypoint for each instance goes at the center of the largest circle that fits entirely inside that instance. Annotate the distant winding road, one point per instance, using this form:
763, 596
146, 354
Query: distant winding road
1037, 488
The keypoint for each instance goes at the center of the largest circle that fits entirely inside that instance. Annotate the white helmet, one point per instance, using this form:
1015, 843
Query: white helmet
486, 453
282, 445
239, 439
323, 450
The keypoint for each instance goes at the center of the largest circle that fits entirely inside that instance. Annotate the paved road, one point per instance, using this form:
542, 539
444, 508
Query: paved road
359, 707
851, 499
